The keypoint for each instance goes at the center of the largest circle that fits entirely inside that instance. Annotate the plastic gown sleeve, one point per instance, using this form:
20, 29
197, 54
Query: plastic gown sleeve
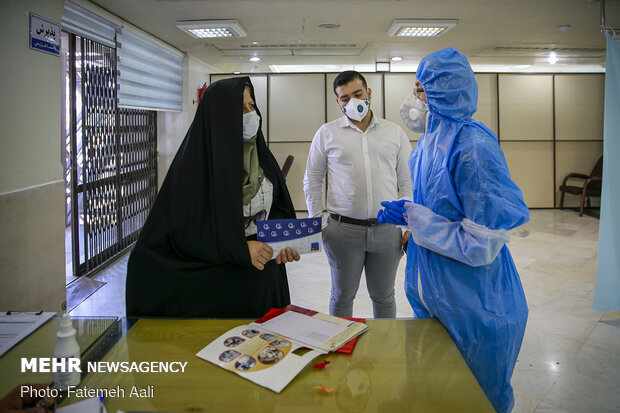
464, 241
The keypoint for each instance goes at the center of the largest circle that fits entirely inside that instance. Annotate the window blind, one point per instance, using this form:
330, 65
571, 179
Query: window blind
78, 20
150, 75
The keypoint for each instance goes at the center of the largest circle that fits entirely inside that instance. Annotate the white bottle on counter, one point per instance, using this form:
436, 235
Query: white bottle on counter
66, 348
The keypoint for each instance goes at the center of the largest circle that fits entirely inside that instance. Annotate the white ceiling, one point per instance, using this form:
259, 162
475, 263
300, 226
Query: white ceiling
496, 35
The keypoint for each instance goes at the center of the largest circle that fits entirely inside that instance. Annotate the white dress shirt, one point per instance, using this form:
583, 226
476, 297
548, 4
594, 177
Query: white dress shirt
363, 168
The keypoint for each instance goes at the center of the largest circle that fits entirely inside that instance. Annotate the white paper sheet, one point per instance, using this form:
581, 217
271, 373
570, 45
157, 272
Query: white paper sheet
304, 329
15, 326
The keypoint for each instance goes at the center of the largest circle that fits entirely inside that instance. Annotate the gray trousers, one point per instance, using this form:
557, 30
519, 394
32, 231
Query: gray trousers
351, 248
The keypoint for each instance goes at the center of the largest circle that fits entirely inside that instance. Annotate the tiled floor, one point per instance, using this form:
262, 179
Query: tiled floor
570, 359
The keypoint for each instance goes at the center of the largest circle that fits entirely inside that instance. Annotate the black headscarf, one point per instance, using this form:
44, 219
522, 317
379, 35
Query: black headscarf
196, 224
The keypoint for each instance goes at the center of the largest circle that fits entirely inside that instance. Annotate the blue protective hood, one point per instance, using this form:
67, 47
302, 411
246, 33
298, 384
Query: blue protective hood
450, 84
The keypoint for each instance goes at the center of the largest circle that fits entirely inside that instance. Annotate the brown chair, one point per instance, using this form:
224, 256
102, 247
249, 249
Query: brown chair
591, 185
287, 165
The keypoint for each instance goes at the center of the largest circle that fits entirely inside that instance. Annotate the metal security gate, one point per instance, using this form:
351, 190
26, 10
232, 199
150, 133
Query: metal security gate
113, 159
138, 170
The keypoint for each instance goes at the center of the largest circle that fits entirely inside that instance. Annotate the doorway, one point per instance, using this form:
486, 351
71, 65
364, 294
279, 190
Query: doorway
109, 159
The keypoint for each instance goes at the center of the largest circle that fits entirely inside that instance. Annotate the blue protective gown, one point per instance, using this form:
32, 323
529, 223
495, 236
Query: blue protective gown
464, 201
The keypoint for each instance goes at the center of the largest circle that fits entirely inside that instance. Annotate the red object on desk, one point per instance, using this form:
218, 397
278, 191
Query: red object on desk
321, 365
274, 312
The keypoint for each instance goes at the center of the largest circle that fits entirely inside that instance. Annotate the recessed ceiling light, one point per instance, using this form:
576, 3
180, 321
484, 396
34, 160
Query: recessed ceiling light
202, 29
397, 58
254, 59
383, 66
420, 27
553, 58
329, 25
236, 73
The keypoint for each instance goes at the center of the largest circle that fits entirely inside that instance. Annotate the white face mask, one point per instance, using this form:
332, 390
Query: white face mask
356, 109
413, 112
251, 122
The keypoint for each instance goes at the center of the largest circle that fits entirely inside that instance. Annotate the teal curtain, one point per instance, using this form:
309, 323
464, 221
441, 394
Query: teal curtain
607, 288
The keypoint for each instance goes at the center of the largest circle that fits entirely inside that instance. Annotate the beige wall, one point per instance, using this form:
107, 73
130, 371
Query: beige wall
30, 116
548, 124
32, 270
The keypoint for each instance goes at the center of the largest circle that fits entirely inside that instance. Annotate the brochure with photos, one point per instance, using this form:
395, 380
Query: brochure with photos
264, 352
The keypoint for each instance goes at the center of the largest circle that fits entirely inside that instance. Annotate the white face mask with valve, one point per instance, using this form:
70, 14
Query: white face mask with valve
251, 122
413, 111
356, 109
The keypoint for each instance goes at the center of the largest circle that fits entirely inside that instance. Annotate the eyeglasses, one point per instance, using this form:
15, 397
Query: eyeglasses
259, 216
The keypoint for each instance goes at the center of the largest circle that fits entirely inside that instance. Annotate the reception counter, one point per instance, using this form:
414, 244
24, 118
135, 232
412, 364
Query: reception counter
397, 365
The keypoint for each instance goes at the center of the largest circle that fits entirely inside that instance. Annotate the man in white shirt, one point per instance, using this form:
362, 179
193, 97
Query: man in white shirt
365, 160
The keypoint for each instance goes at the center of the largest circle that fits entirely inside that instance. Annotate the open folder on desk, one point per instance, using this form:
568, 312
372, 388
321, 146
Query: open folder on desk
265, 351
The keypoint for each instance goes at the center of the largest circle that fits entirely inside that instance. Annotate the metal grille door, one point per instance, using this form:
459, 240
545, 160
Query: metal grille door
138, 170
113, 160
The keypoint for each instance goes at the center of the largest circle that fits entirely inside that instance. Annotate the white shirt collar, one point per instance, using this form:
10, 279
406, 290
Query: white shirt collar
346, 122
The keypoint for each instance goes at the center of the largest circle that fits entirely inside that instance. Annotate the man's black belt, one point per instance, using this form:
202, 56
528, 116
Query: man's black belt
363, 222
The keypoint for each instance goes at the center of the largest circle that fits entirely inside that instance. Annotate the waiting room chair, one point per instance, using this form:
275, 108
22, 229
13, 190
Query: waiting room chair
591, 185
287, 165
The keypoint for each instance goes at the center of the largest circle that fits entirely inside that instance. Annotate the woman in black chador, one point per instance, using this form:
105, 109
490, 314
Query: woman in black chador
197, 255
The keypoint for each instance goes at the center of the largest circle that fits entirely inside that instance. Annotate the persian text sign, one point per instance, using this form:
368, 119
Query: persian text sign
44, 35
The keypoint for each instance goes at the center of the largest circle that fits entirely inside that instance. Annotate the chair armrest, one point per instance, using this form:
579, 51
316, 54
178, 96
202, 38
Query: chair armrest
588, 182
574, 175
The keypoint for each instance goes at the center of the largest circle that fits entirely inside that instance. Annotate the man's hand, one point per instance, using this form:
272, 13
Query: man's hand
260, 253
405, 238
287, 255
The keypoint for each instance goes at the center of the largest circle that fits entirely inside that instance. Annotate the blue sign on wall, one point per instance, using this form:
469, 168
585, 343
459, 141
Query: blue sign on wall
44, 35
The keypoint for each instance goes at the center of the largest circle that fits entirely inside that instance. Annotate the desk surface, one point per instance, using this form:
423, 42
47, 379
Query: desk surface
398, 365
42, 342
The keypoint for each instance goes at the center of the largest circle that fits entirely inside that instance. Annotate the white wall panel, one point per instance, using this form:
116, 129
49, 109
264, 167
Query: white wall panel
296, 106
525, 107
579, 103
487, 100
531, 167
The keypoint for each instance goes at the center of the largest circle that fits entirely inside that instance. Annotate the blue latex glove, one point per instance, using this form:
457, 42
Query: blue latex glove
394, 213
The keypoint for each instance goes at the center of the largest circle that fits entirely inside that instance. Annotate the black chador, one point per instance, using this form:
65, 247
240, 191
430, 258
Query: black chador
192, 258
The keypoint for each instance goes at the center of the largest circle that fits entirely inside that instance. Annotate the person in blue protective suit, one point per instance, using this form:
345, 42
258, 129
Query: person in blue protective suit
459, 268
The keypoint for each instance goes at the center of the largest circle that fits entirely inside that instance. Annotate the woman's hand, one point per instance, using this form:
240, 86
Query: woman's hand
260, 253
287, 255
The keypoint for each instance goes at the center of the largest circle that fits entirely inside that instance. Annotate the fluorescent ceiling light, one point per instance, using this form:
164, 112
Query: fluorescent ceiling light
382, 66
420, 27
254, 59
202, 29
553, 58
397, 59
